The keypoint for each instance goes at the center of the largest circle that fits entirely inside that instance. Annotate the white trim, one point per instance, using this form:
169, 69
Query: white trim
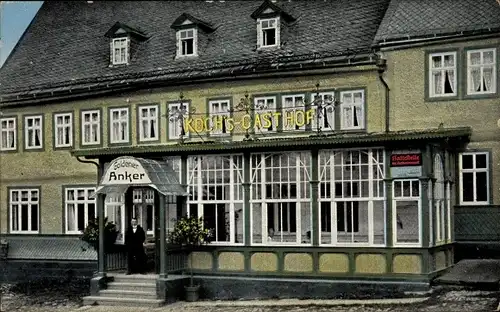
481, 67
180, 42
89, 125
10, 128
149, 119
65, 124
88, 193
327, 110
352, 105
266, 105
407, 198
120, 43
20, 202
297, 103
261, 35
34, 128
216, 109
122, 123
141, 199
174, 124
474, 171
442, 70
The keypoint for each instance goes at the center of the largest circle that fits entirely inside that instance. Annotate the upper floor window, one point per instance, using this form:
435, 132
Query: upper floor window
268, 32
119, 126
474, 178
24, 205
325, 111
219, 111
91, 127
187, 42
63, 130
481, 71
265, 109
148, 123
352, 105
120, 50
443, 74
80, 208
177, 113
291, 105
8, 138
33, 132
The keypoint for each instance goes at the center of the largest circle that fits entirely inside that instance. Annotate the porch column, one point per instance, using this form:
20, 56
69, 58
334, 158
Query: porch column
102, 252
314, 183
163, 238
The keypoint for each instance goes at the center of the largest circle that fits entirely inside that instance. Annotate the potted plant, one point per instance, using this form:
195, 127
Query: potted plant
189, 232
90, 234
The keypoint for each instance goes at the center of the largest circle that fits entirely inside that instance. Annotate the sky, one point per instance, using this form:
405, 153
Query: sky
15, 18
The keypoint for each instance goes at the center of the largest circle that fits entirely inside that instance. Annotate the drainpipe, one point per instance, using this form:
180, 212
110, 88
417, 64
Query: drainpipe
91, 162
382, 66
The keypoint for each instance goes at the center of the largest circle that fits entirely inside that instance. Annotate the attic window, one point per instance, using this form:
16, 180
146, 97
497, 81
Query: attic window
120, 50
269, 18
123, 42
187, 42
269, 32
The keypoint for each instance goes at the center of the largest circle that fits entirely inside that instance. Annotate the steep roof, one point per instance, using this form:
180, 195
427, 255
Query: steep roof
409, 19
65, 46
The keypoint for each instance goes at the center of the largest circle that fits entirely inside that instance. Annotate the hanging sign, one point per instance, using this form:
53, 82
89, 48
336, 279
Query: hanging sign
406, 165
125, 171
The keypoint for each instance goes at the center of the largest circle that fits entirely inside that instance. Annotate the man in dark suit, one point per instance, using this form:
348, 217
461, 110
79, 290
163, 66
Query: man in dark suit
135, 238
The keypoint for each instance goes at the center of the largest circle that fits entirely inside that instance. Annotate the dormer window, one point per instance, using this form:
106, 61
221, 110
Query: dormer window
120, 51
270, 18
269, 32
190, 31
187, 42
124, 41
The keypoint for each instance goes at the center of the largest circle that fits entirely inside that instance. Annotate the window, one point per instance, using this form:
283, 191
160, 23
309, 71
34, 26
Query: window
144, 209
63, 128
33, 132
219, 112
80, 207
215, 184
118, 119
120, 51
406, 212
474, 178
177, 114
8, 138
24, 210
91, 127
148, 123
439, 204
187, 42
268, 32
291, 105
481, 71
352, 197
281, 198
352, 105
265, 109
442, 74
324, 103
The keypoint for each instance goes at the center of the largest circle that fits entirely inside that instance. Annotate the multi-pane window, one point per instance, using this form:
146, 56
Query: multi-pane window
177, 114
290, 119
24, 210
144, 208
119, 51
119, 125
33, 132
268, 32
281, 198
352, 197
80, 206
148, 123
219, 112
352, 113
63, 130
439, 199
186, 42
91, 127
481, 71
324, 104
8, 136
265, 108
115, 212
406, 212
216, 194
442, 74
474, 178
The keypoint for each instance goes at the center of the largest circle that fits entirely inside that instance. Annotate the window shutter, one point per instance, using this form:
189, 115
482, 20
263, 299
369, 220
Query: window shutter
128, 52
259, 34
111, 52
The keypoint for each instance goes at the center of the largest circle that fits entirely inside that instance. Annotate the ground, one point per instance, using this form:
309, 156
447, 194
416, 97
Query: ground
66, 297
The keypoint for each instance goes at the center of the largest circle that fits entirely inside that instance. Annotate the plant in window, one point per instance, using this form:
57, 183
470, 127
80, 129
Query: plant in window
91, 234
189, 232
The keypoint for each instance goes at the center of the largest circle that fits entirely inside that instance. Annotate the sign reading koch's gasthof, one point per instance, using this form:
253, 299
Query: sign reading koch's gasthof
406, 160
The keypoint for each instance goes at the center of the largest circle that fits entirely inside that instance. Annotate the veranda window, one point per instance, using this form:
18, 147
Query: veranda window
115, 212
144, 209
406, 212
439, 200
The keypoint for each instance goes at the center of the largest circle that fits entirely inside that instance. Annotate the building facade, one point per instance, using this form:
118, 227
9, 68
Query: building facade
313, 157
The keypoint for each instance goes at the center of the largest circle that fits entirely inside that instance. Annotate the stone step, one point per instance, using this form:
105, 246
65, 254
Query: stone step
114, 301
143, 279
148, 287
120, 293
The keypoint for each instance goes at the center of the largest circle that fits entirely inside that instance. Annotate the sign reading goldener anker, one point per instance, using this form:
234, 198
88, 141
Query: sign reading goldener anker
406, 165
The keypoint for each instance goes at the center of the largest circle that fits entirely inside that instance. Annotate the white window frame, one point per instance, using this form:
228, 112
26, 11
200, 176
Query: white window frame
148, 119
182, 40
116, 202
62, 127
20, 202
120, 44
266, 105
8, 127
443, 69
261, 37
474, 171
89, 125
175, 125
328, 110
411, 197
141, 198
215, 113
89, 199
352, 106
298, 104
122, 123
34, 128
481, 67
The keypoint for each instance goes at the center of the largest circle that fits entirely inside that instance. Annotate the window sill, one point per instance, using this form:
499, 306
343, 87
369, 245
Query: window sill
183, 57
24, 232
442, 98
475, 96
9, 150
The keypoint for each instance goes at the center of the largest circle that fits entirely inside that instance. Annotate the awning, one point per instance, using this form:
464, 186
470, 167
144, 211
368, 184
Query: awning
126, 171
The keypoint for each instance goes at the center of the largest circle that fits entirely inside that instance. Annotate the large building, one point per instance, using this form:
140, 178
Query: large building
338, 143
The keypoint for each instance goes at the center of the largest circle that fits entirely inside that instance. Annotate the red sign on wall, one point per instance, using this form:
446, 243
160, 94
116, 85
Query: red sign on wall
405, 160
